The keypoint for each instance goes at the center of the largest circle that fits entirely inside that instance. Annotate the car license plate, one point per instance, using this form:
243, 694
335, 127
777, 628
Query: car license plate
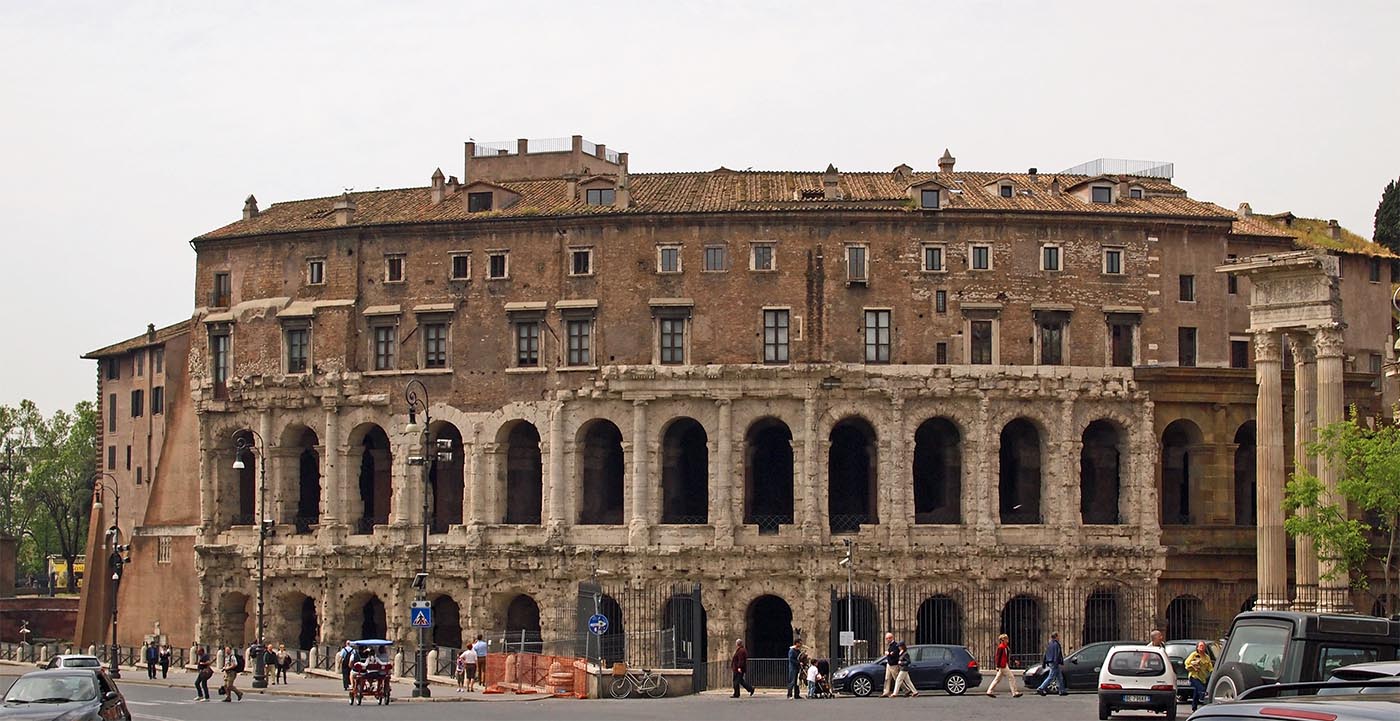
1136, 699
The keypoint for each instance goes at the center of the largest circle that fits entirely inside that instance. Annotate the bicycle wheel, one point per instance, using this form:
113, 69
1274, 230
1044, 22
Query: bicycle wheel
621, 687
657, 688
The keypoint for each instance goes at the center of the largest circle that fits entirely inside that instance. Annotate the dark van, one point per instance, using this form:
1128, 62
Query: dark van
1289, 646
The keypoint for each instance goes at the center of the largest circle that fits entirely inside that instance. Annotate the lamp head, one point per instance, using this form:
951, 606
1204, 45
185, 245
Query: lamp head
238, 464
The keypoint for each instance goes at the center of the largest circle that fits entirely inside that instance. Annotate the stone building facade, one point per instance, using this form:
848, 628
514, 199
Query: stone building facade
1020, 391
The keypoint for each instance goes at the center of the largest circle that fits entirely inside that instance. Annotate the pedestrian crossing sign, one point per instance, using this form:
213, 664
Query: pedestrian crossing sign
421, 617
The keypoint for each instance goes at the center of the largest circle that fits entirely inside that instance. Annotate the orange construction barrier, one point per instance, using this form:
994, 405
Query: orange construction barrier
529, 673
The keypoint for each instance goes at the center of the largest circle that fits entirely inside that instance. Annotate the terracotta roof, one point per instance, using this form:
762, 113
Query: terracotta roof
141, 341
726, 190
1312, 233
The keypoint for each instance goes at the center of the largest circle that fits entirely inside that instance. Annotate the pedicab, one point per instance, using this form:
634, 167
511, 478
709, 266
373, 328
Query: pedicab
371, 670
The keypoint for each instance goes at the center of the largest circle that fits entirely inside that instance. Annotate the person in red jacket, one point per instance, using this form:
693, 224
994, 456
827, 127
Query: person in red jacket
1003, 661
740, 664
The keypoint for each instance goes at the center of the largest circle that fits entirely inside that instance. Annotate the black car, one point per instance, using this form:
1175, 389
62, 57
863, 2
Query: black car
1081, 667
1269, 647
951, 669
72, 694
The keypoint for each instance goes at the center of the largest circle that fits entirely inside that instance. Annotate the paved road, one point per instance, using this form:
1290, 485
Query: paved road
160, 703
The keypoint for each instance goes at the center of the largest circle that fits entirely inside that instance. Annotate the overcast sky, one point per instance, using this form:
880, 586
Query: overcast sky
129, 128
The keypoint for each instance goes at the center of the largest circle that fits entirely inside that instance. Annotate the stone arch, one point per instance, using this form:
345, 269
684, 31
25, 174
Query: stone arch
677, 613
522, 472
446, 478
601, 467
768, 627
1243, 473
1186, 618
304, 475
365, 617
1182, 469
1104, 445
1020, 472
685, 465
939, 620
447, 622
243, 507
937, 472
1103, 616
852, 467
299, 628
372, 458
865, 622
233, 611
1022, 619
768, 474
522, 624
613, 642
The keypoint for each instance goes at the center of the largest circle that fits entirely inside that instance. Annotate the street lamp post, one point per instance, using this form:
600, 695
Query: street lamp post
257, 447
116, 560
415, 394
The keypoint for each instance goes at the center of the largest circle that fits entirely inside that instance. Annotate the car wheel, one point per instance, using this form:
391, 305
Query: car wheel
1225, 690
1104, 711
955, 684
862, 685
1171, 712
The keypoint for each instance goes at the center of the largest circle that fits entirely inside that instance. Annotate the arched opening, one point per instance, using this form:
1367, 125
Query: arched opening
613, 643
851, 466
244, 507
600, 469
524, 479
940, 620
679, 613
768, 627
369, 619
937, 472
309, 628
864, 621
233, 608
1246, 487
375, 476
1099, 479
1101, 617
1180, 469
1021, 620
1186, 618
1020, 472
446, 484
523, 625
308, 510
685, 470
447, 623
768, 475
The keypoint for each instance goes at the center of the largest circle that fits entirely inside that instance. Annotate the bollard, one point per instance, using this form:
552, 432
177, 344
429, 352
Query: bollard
432, 663
311, 657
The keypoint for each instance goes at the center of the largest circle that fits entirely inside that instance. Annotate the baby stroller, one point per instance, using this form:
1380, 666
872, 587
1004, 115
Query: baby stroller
823, 687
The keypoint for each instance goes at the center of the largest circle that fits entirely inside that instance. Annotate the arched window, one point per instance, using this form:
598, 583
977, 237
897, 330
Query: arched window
375, 476
600, 471
447, 623
524, 483
1181, 469
1186, 618
768, 627
768, 475
1246, 486
937, 472
1099, 477
864, 620
1021, 620
1102, 621
245, 493
523, 625
940, 621
446, 480
685, 473
851, 473
1020, 472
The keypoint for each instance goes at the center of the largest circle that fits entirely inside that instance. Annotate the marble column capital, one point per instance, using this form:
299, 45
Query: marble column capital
1328, 342
1304, 352
1267, 347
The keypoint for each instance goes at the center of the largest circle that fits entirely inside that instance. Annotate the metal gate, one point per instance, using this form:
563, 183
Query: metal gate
654, 626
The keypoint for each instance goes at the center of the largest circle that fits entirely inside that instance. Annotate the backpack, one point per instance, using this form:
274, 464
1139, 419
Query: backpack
238, 664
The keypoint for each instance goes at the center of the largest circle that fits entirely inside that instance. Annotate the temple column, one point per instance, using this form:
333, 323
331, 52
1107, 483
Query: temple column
1272, 561
1333, 579
639, 532
893, 483
1304, 430
722, 507
270, 472
476, 512
555, 488
812, 526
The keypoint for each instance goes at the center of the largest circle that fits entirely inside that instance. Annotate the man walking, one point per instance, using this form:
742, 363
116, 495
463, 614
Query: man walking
740, 663
233, 664
1054, 666
891, 662
480, 647
1157, 639
345, 658
151, 655
794, 668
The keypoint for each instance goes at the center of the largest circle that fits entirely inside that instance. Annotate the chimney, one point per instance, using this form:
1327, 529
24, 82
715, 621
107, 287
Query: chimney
522, 146
1055, 189
1032, 172
1334, 229
439, 186
452, 184
601, 151
150, 332
831, 179
1122, 189
902, 172
622, 160
344, 209
945, 163
572, 179
250, 208
623, 197
1245, 210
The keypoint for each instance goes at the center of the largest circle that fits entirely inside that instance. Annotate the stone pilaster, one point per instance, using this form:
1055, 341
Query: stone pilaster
1272, 560
268, 466
812, 527
722, 506
1304, 431
639, 531
896, 486
476, 512
555, 490
1333, 580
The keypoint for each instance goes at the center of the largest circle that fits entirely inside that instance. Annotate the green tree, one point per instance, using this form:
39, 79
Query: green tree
61, 468
1387, 231
1368, 456
19, 429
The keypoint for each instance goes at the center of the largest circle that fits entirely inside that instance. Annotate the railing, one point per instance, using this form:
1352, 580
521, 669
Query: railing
848, 522
769, 523
698, 520
437, 527
446, 661
305, 524
364, 526
762, 673
242, 519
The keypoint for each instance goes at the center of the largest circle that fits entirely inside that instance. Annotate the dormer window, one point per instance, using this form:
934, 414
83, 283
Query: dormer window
478, 202
1135, 193
1102, 194
928, 199
1006, 190
813, 195
600, 196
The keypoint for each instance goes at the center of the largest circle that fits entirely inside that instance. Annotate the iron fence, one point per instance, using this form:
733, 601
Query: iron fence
762, 673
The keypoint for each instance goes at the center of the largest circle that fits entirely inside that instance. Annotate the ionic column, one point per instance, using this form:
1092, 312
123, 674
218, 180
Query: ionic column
1304, 430
639, 532
1333, 579
722, 507
556, 487
1272, 561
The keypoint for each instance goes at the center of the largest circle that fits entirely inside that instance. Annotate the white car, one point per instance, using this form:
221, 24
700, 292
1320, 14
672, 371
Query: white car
1139, 678
72, 660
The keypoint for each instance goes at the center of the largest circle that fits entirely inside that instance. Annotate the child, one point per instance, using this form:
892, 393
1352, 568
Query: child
461, 670
813, 675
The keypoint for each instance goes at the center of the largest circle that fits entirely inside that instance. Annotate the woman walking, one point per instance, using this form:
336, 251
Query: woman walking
205, 668
1199, 667
1003, 662
902, 681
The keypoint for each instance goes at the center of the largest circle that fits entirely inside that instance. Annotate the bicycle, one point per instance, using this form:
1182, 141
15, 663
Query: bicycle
626, 681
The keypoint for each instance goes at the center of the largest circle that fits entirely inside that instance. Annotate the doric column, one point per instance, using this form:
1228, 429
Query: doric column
1333, 580
267, 473
722, 507
1304, 430
895, 485
332, 485
476, 512
980, 484
811, 515
639, 532
1272, 560
556, 489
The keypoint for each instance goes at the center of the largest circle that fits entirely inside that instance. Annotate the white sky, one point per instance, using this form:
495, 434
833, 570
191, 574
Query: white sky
128, 128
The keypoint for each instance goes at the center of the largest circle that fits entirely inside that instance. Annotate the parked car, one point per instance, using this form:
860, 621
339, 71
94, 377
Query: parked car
1369, 700
71, 694
1387, 670
73, 660
952, 669
1137, 678
1081, 667
1178, 651
1267, 647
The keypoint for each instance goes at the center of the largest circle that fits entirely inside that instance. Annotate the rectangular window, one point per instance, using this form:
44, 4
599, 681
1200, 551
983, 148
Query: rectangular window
940, 353
298, 342
1375, 365
928, 199
114, 369
1102, 194
1232, 282
461, 266
223, 290
138, 403
315, 271
128, 458
1239, 354
163, 550
580, 342
497, 266
762, 257
856, 270
933, 258
672, 341
527, 344
386, 343
112, 413
1050, 257
981, 342
139, 360
1135, 193
393, 269
1186, 289
940, 301
600, 196
157, 360
877, 336
1006, 191
668, 259
980, 257
478, 202
157, 400
581, 261
1186, 347
1052, 334
1113, 261
111, 458
1121, 336
775, 336
138, 475
434, 345
219, 356
1375, 270
716, 258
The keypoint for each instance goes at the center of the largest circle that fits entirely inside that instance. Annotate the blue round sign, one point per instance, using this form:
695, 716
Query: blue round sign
598, 624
